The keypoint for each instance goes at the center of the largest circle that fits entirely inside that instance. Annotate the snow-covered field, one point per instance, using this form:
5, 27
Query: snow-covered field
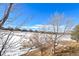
19, 37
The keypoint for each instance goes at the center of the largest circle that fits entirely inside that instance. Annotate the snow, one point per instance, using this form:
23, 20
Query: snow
19, 37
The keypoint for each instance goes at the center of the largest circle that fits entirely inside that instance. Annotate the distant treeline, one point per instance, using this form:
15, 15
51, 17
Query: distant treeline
30, 30
15, 29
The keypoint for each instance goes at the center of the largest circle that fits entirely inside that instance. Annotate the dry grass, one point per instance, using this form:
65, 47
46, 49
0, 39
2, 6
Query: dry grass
38, 53
70, 49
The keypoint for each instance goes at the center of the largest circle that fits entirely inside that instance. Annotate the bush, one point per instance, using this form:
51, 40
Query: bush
17, 29
30, 30
75, 33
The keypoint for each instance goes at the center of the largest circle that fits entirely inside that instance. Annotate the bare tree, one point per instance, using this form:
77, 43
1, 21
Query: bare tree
3, 20
60, 27
6, 14
38, 41
8, 40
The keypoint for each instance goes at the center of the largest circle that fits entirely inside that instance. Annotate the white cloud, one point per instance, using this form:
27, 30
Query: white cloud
43, 27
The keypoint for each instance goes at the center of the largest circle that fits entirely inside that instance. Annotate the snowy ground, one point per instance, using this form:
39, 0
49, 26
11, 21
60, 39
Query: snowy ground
20, 36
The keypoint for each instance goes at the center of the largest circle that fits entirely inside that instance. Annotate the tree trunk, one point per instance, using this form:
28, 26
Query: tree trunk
42, 52
6, 15
54, 44
77, 41
54, 48
0, 53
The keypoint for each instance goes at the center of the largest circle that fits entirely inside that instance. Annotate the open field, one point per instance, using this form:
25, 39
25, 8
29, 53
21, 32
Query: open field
70, 49
66, 46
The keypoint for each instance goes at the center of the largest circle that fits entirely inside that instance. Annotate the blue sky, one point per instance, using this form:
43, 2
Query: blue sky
31, 14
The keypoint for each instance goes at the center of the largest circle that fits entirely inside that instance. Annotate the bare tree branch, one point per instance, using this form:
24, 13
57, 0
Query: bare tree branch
6, 14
